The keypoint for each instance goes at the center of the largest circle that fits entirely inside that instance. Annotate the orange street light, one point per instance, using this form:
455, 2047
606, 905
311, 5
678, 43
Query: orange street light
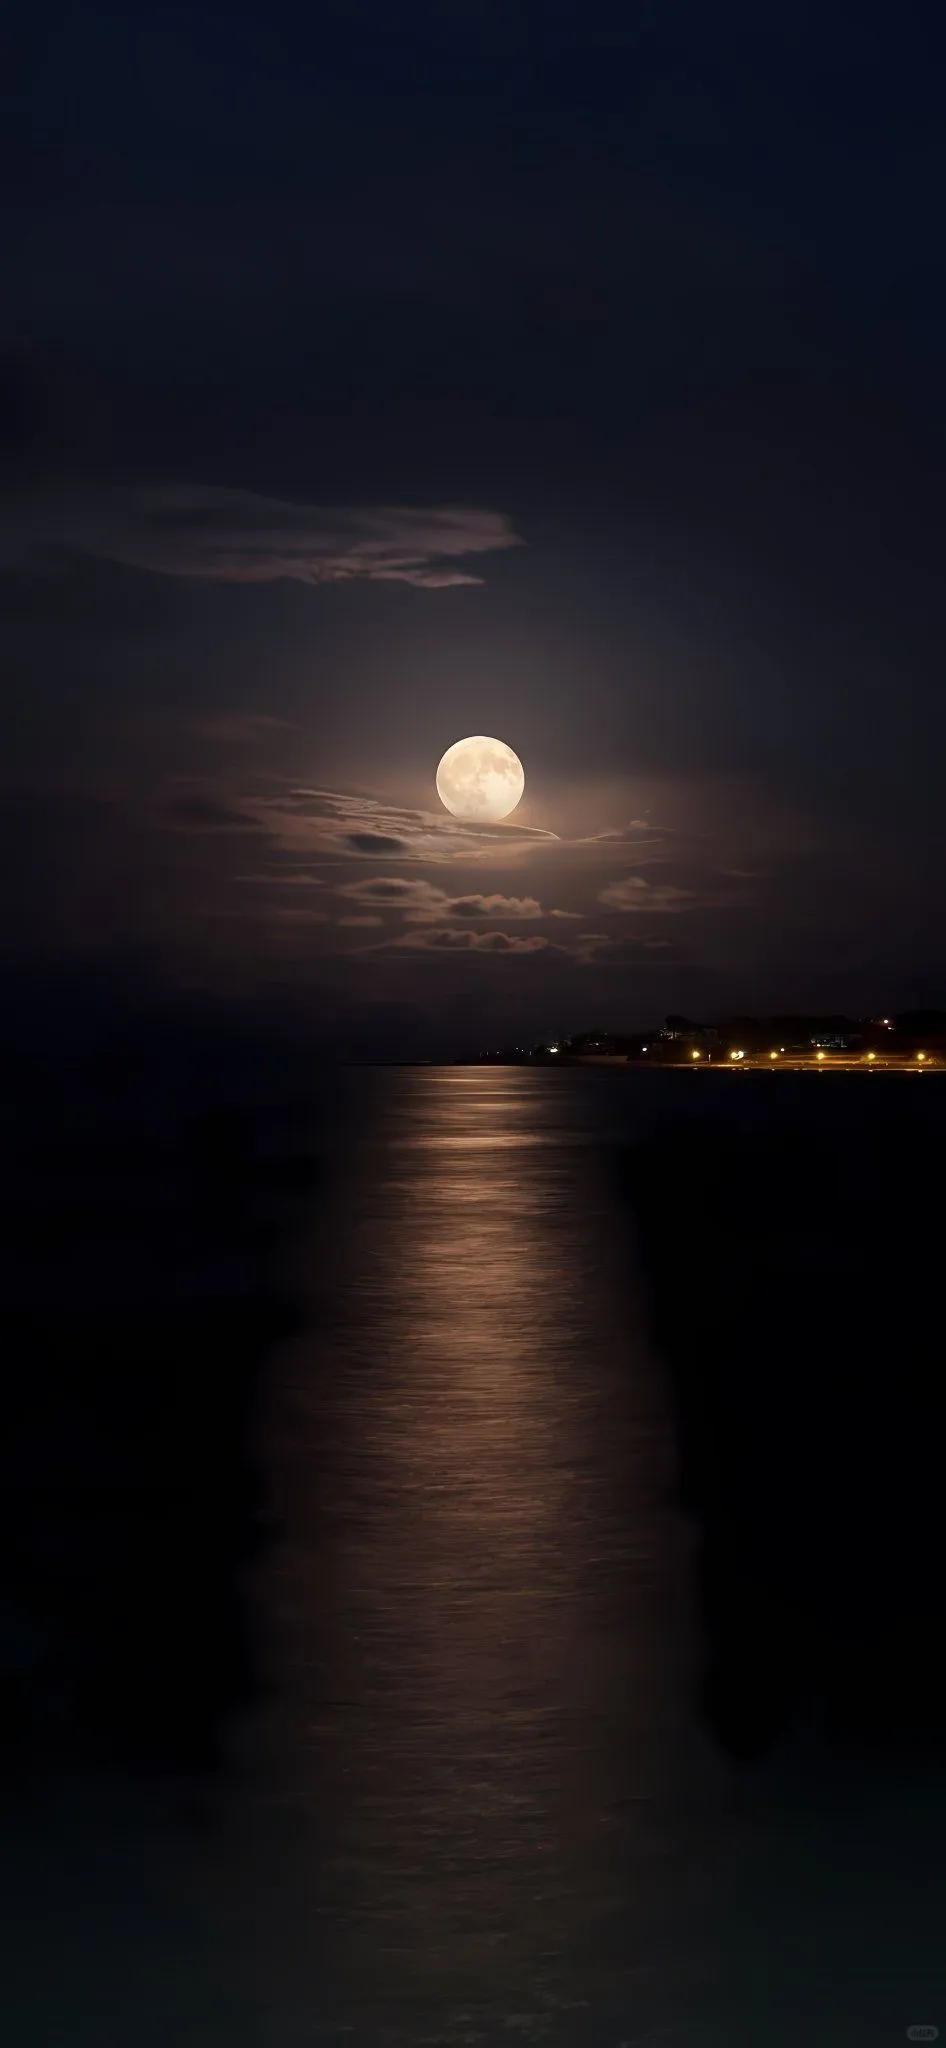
821, 1055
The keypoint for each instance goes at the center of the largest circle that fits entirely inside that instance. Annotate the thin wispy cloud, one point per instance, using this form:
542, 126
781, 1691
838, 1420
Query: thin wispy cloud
595, 949
453, 940
233, 536
386, 863
633, 894
349, 826
420, 902
199, 813
297, 913
287, 878
586, 949
241, 728
638, 832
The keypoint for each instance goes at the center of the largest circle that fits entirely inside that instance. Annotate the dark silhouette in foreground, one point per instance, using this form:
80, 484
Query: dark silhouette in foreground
794, 1269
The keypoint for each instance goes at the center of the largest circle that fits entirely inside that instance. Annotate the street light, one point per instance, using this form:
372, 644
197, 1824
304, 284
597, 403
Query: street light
820, 1055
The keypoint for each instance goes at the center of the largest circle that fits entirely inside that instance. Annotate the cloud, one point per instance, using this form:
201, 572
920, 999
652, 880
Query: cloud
360, 921
395, 892
296, 913
297, 878
351, 825
638, 833
377, 843
240, 728
600, 948
206, 814
304, 831
420, 902
588, 945
495, 906
634, 894
446, 940
233, 536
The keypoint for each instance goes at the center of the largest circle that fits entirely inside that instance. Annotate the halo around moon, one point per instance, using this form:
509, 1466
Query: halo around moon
480, 779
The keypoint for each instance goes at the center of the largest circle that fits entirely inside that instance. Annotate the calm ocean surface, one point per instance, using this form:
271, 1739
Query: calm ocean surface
480, 1602
475, 1801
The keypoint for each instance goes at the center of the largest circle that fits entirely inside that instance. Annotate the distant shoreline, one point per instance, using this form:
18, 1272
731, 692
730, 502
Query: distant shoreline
835, 1063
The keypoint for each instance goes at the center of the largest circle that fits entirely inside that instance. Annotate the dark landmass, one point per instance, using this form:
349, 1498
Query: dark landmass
796, 1038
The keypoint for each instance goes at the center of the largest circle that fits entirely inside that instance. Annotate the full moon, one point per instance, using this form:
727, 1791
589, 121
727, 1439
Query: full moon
480, 779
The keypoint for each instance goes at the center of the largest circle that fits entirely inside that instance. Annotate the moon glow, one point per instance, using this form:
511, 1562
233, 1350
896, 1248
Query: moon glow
480, 779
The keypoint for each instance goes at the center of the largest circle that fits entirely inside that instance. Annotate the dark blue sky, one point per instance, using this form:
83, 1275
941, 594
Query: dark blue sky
654, 292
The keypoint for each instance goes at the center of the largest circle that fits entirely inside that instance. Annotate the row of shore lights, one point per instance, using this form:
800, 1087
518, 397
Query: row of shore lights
695, 1055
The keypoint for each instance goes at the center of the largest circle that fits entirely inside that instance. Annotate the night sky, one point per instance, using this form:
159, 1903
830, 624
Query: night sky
377, 375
